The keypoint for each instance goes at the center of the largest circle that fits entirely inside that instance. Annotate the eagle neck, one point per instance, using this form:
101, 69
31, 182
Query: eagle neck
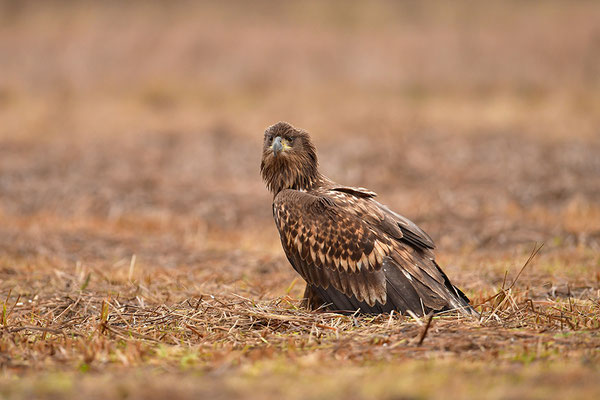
310, 183
303, 183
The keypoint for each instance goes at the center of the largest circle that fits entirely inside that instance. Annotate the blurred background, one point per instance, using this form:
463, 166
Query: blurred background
136, 127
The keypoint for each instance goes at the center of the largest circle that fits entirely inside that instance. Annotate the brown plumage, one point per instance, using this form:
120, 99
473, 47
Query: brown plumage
353, 252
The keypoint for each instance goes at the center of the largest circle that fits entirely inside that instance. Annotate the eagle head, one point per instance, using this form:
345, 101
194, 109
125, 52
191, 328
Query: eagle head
289, 159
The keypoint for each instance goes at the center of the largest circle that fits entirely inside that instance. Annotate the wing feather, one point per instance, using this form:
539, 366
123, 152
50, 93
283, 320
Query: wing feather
330, 247
356, 252
411, 233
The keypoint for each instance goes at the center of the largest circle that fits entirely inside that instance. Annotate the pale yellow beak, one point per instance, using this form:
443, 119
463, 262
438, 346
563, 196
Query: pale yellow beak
279, 145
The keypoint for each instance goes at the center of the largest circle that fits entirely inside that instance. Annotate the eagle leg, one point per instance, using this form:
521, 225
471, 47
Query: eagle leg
312, 299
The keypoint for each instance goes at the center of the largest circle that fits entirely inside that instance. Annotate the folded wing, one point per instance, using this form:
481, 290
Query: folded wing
357, 254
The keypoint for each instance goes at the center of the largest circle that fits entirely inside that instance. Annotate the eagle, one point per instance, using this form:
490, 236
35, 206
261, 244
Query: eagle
354, 253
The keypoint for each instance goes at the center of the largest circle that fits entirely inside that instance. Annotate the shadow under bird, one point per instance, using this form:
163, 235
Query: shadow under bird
353, 252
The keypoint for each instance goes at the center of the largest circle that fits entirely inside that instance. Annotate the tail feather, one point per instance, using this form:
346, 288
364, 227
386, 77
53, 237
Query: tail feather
402, 295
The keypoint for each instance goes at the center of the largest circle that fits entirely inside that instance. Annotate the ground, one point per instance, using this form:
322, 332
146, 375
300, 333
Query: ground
138, 256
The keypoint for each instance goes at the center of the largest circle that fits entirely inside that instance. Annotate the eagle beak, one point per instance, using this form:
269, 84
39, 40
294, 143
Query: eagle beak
277, 146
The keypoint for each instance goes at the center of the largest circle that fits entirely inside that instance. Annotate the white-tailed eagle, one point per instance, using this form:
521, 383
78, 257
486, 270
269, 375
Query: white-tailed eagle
353, 252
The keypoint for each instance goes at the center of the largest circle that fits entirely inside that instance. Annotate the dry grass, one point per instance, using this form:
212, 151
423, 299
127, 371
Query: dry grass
138, 257
176, 325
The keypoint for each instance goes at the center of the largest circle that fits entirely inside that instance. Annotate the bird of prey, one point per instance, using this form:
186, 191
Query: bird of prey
354, 253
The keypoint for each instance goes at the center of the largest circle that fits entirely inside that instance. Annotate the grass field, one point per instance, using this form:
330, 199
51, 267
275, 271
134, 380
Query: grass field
138, 256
